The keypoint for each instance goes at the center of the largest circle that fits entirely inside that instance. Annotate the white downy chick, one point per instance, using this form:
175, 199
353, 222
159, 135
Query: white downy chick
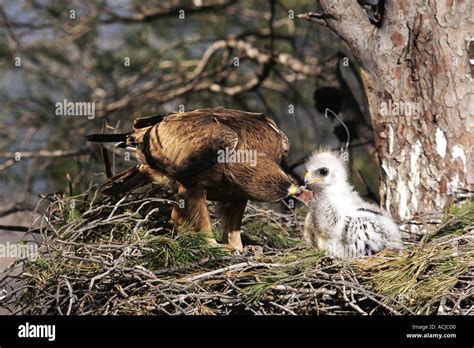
339, 220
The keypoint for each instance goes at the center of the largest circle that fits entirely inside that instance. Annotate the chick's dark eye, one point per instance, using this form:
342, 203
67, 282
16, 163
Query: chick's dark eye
323, 171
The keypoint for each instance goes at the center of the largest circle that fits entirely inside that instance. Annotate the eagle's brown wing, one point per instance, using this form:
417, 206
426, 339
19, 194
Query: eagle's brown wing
255, 131
143, 122
182, 145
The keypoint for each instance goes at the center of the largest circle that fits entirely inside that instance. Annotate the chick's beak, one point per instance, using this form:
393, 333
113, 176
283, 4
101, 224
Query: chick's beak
308, 179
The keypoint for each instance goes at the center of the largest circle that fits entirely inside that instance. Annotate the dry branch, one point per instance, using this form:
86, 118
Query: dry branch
37, 154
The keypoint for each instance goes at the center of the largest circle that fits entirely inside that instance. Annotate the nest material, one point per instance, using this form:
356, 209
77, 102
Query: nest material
123, 257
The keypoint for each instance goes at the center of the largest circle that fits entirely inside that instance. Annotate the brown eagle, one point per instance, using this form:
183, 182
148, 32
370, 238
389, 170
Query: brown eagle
216, 154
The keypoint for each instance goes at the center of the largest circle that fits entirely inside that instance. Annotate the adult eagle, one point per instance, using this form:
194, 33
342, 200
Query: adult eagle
218, 154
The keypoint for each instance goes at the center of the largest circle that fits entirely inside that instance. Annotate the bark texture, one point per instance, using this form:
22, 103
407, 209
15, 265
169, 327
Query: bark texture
417, 60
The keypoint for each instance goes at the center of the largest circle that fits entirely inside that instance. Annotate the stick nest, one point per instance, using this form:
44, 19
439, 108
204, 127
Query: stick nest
122, 256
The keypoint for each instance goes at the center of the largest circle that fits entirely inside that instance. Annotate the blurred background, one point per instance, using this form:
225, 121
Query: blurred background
137, 58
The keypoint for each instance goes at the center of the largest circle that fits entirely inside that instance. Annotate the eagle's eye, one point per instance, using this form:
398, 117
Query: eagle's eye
323, 171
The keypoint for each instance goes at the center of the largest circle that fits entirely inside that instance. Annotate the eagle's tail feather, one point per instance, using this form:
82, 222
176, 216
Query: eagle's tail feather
107, 138
125, 181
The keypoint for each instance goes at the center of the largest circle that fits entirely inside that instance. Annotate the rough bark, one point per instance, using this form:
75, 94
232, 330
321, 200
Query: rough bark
419, 56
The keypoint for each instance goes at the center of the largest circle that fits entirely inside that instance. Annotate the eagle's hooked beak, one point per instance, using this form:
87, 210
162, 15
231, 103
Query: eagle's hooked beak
294, 190
308, 179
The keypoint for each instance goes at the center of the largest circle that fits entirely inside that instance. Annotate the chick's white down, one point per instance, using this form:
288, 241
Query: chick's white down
339, 220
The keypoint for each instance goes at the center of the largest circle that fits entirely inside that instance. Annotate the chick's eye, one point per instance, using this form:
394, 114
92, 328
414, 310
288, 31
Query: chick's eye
323, 171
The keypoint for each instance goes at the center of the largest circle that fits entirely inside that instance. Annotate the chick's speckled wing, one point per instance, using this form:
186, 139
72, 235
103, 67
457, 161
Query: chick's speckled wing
365, 235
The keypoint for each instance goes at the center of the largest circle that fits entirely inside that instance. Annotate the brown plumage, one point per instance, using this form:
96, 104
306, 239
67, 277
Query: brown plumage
185, 151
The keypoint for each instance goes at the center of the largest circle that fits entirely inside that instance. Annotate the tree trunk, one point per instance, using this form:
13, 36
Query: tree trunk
421, 98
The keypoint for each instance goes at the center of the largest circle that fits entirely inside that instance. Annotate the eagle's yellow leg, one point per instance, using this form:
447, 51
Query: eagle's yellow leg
192, 209
231, 214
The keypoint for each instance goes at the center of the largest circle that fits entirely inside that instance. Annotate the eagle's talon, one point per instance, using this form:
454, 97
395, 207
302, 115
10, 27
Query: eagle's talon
233, 249
237, 253
212, 241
